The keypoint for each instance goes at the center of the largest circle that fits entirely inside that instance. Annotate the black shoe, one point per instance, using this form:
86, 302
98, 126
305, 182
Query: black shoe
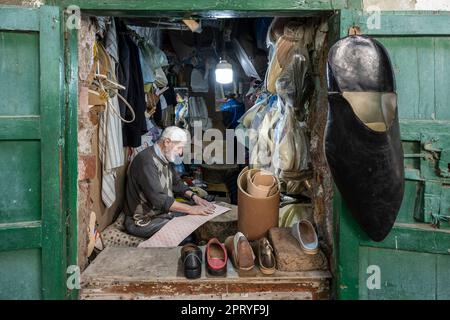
189, 239
362, 139
191, 258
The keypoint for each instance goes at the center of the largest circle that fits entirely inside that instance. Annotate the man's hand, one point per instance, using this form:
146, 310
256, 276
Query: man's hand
201, 210
202, 202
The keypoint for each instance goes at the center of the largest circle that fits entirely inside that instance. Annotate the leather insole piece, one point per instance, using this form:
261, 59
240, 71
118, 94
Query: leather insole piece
216, 256
375, 109
216, 252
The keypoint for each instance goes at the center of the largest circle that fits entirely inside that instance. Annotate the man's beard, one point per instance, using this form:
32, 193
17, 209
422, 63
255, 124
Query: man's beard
171, 156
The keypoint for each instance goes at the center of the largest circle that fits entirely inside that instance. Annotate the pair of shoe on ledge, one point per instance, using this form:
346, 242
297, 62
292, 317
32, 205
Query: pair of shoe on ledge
216, 258
306, 236
243, 258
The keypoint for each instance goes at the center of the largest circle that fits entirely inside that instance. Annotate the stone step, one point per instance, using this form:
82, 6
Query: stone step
156, 273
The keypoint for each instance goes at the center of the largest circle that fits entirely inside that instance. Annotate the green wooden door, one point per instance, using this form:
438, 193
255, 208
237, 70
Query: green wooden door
32, 229
413, 262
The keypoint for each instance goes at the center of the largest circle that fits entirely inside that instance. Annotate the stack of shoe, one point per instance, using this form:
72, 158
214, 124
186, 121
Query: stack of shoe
258, 202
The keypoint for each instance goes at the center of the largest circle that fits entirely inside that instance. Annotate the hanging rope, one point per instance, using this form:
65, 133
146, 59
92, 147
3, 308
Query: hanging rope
107, 88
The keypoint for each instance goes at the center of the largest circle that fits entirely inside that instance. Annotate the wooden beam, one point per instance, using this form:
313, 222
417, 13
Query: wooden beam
70, 148
232, 7
398, 23
53, 215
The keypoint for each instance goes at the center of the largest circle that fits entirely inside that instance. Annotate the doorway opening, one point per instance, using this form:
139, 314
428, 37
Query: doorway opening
216, 77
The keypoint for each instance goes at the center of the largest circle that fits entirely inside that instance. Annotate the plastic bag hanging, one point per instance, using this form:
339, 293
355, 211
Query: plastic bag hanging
290, 142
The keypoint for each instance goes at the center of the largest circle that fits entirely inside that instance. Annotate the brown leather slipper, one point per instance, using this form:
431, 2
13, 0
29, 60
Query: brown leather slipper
240, 251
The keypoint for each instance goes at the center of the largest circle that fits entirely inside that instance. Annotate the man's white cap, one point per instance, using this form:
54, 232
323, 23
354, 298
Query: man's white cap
175, 134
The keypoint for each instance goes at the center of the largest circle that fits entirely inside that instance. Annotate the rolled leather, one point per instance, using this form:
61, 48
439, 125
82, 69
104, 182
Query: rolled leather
362, 139
255, 215
260, 183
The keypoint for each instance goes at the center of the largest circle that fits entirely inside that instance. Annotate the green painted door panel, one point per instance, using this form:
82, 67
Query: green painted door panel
21, 271
32, 229
423, 75
442, 77
414, 259
20, 73
399, 272
19, 163
413, 62
443, 277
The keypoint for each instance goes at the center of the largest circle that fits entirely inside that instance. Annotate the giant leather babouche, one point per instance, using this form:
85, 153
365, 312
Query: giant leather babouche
362, 139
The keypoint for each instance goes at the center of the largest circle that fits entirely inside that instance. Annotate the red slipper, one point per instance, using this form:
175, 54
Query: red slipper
216, 258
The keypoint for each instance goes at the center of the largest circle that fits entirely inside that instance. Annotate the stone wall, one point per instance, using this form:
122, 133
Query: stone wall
87, 131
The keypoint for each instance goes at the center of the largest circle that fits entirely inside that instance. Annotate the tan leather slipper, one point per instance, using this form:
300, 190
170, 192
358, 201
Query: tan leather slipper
240, 251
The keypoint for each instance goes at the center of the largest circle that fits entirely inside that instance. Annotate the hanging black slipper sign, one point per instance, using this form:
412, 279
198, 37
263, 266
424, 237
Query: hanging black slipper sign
362, 139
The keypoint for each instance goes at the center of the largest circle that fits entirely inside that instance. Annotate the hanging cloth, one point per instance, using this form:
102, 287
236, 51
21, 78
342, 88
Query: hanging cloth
110, 134
130, 76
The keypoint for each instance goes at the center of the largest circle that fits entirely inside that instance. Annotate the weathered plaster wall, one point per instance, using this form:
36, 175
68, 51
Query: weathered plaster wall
25, 3
390, 5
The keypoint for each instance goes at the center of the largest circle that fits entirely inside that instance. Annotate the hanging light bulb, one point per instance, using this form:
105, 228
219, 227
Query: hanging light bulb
224, 72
